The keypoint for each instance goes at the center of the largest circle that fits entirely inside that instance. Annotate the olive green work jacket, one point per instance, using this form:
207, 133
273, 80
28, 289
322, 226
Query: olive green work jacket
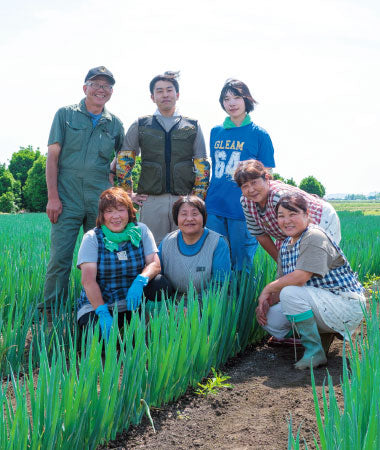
86, 153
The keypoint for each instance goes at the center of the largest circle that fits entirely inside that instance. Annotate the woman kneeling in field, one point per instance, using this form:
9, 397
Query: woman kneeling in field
193, 253
259, 200
315, 291
119, 262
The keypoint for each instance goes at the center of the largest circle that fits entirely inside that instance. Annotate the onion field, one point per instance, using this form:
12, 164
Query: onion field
65, 390
62, 390
357, 424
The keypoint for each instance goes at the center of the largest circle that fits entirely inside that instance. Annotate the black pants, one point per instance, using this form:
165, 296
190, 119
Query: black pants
152, 291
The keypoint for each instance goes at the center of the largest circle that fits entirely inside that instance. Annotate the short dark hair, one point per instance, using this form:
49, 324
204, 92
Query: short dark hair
251, 169
110, 199
292, 202
166, 76
240, 89
192, 200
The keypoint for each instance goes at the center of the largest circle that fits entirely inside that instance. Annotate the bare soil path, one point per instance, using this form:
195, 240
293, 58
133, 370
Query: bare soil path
252, 415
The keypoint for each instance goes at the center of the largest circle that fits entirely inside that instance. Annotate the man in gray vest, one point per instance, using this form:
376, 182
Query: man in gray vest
173, 158
83, 139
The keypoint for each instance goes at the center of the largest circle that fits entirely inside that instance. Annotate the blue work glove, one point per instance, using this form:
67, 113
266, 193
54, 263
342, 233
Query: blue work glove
135, 292
105, 320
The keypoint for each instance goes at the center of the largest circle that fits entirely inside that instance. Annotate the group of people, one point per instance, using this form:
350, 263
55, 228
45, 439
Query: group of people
180, 238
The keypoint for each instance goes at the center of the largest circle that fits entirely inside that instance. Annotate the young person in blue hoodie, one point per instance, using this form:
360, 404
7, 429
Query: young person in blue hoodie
237, 139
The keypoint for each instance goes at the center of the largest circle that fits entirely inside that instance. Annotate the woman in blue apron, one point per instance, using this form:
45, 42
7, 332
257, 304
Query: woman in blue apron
119, 263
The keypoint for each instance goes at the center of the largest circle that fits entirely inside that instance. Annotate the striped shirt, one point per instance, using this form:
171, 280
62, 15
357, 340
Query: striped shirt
264, 221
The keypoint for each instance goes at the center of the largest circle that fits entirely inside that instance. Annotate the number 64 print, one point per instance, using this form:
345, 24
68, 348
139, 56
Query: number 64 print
222, 167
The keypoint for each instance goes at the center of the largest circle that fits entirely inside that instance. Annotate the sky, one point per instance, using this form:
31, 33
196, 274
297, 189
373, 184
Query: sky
313, 67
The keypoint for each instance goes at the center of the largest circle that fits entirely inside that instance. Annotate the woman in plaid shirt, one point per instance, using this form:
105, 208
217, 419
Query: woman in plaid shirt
260, 197
119, 263
315, 291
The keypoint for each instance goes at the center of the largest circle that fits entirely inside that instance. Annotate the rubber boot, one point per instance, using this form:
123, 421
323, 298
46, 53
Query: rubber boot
314, 354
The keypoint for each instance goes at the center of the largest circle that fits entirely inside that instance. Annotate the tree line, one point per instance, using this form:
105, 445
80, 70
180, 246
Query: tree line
309, 184
23, 183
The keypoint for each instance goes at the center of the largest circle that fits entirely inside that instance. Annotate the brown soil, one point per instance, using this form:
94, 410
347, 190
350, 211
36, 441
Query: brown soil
252, 415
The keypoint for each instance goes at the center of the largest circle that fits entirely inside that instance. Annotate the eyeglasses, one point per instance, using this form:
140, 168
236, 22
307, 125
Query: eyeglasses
95, 85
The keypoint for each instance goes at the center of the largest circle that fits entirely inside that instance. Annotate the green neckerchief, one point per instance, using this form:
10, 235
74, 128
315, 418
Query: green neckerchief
130, 233
229, 124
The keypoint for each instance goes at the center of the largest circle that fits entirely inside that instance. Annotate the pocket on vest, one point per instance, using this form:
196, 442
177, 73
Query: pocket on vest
183, 177
185, 134
150, 181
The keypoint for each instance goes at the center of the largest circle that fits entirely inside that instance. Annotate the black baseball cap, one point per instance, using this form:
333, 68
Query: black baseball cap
97, 71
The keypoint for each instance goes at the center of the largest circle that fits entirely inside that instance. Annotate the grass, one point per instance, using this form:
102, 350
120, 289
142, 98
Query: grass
357, 424
84, 399
361, 242
367, 207
79, 399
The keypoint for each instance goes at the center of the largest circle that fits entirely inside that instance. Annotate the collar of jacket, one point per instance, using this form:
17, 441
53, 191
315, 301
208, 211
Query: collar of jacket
82, 108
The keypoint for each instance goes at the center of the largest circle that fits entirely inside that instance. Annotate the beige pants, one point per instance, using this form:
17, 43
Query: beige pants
333, 313
156, 213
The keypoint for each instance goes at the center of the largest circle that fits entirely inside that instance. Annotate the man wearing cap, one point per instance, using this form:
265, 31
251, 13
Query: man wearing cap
82, 142
173, 158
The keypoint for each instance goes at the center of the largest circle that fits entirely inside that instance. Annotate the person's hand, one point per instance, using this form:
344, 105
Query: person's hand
139, 199
111, 178
112, 174
105, 320
274, 298
135, 292
54, 209
263, 308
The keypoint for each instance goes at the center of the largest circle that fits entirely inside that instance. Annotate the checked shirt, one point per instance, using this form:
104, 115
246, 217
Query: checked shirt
336, 280
115, 275
267, 221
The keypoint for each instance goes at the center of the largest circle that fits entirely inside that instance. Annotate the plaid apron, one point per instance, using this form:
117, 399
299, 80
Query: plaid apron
116, 271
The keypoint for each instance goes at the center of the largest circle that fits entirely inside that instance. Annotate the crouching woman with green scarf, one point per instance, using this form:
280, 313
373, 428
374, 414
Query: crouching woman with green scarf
119, 263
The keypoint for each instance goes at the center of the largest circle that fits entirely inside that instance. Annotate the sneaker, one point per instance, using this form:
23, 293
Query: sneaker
284, 342
326, 340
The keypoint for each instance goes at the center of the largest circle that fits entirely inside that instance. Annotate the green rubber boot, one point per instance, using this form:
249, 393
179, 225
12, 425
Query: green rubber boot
307, 327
